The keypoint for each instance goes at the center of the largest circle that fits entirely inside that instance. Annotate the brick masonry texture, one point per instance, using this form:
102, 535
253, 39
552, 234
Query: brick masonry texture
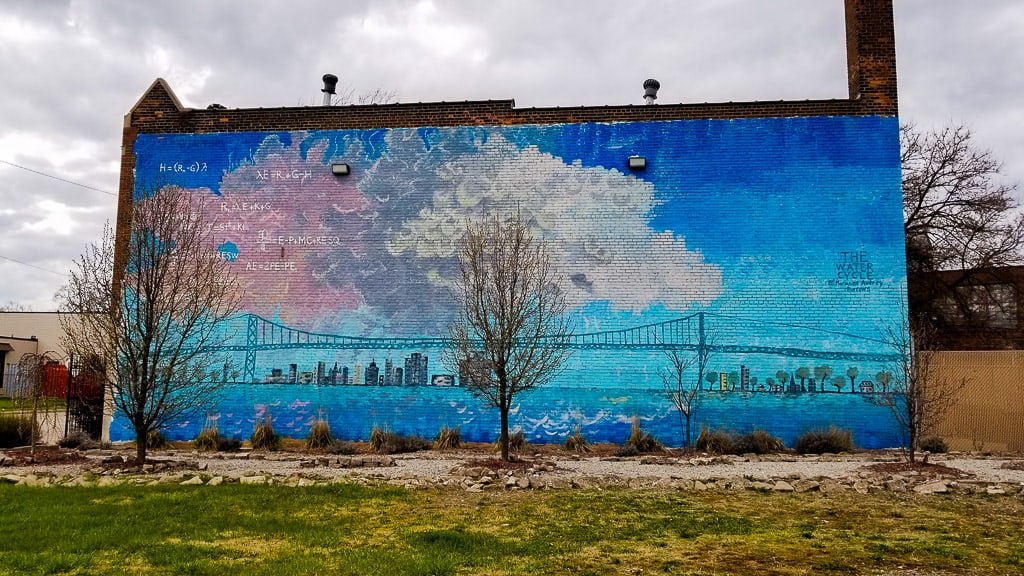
767, 234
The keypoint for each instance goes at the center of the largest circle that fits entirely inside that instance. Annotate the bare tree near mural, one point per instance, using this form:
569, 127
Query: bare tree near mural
154, 321
510, 333
918, 395
685, 392
958, 215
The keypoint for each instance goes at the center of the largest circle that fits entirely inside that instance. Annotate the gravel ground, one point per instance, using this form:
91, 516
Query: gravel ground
434, 466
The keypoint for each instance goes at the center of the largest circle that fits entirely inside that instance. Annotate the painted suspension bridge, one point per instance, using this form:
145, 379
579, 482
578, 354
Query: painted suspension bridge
703, 333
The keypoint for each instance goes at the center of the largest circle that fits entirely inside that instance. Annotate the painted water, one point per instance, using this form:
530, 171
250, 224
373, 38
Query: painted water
546, 415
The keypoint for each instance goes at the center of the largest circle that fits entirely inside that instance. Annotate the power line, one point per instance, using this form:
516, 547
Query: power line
16, 261
56, 178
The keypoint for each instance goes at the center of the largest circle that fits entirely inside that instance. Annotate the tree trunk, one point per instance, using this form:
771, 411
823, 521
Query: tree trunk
504, 434
687, 431
141, 444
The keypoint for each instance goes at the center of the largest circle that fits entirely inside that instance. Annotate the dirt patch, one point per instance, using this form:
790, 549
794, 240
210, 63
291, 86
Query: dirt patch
43, 456
917, 469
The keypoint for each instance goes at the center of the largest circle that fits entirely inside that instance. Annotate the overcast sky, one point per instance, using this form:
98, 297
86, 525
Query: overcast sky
70, 70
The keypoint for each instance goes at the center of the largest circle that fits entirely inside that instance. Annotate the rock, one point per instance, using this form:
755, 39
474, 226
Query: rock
203, 466
783, 486
253, 479
995, 490
113, 460
215, 481
475, 488
758, 485
802, 486
862, 486
193, 481
699, 486
895, 485
647, 460
11, 479
511, 482
936, 487
523, 482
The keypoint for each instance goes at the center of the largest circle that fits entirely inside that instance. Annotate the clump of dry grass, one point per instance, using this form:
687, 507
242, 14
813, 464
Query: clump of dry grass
319, 436
264, 437
576, 442
448, 439
640, 442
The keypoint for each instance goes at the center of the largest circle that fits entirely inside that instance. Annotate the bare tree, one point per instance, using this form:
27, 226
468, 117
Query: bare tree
510, 333
31, 394
957, 216
918, 395
683, 391
156, 320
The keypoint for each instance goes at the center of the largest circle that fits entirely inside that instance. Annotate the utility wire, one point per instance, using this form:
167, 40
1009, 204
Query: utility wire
16, 261
56, 178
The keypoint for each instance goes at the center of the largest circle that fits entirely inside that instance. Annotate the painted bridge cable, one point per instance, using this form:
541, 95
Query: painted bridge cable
86, 186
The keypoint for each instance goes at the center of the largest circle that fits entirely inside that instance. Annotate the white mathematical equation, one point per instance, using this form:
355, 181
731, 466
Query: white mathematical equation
193, 167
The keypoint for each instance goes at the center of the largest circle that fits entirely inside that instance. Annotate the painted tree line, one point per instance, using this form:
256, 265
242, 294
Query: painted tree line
821, 379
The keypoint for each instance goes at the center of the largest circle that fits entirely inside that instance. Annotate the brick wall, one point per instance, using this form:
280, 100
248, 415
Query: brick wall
772, 232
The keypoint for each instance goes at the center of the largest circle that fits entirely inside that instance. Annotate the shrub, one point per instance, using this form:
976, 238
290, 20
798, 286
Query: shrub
713, 441
79, 440
228, 444
626, 450
207, 438
157, 441
264, 437
642, 441
576, 442
933, 444
319, 436
833, 440
16, 430
448, 439
388, 442
757, 442
340, 447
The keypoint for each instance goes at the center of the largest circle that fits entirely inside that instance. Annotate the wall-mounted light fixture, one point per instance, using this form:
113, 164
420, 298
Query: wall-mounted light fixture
340, 169
637, 163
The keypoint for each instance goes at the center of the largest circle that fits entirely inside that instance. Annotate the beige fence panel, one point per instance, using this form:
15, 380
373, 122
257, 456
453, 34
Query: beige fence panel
989, 416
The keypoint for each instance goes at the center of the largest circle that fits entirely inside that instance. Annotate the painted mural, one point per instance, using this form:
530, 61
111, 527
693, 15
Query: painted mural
775, 245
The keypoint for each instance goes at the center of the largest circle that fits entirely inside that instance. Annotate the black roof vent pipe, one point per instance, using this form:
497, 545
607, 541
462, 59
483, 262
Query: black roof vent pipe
330, 84
651, 90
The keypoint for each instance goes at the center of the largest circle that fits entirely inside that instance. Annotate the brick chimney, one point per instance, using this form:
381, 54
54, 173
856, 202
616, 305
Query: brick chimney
871, 55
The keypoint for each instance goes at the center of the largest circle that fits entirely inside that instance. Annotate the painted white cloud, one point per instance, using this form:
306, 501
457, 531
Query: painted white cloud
596, 222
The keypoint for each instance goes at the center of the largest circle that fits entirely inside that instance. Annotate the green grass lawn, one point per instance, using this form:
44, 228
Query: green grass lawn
22, 405
348, 529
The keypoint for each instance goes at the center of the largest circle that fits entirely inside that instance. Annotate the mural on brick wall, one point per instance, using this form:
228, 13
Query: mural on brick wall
775, 246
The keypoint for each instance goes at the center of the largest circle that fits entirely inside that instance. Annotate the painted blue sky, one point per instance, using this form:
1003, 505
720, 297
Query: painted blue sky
761, 218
